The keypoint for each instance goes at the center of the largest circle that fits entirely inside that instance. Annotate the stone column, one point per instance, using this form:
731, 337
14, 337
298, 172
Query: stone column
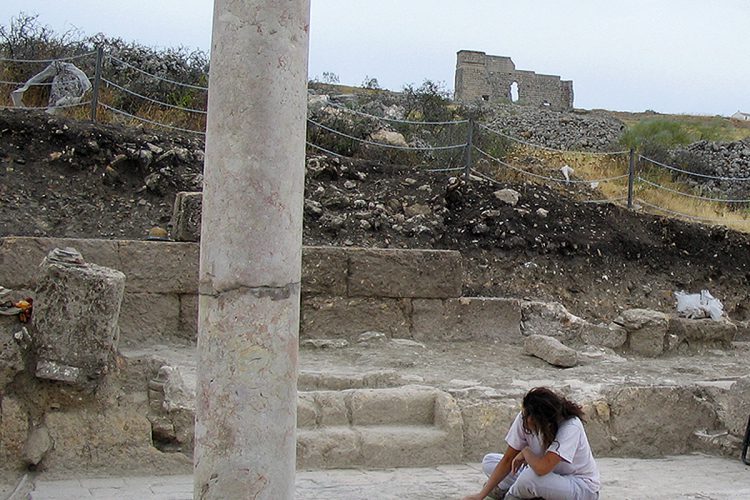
251, 238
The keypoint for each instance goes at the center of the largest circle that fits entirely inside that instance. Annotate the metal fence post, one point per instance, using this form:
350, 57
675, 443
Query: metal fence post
467, 151
631, 177
97, 81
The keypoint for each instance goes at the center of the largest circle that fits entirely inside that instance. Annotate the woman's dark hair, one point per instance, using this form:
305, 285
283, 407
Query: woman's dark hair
548, 410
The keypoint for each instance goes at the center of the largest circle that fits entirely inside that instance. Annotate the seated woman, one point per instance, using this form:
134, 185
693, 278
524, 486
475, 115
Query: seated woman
548, 454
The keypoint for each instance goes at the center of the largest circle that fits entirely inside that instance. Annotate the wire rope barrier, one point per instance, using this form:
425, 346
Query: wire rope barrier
553, 179
63, 59
395, 120
695, 174
546, 148
688, 216
380, 144
146, 120
167, 80
40, 108
155, 101
688, 195
324, 150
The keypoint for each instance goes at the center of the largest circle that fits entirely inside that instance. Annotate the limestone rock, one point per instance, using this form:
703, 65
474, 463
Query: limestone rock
552, 319
389, 137
647, 330
550, 350
509, 196
612, 335
325, 343
76, 312
37, 445
186, 218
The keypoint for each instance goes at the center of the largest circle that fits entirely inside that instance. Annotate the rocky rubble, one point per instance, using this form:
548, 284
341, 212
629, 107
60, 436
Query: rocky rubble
715, 159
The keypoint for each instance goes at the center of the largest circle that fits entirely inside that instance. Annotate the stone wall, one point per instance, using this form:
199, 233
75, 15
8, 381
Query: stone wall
489, 78
345, 291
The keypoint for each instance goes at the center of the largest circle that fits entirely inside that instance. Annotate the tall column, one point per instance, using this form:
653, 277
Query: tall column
251, 240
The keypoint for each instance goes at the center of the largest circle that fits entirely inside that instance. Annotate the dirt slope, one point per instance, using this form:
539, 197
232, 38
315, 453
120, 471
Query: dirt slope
60, 177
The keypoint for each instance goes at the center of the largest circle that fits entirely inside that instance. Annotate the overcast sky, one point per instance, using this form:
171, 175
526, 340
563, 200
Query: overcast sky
671, 56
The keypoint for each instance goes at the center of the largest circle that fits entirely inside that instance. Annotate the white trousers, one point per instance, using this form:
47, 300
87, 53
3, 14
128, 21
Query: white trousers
527, 484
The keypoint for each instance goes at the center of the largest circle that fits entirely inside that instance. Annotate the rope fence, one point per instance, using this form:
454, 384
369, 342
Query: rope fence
458, 136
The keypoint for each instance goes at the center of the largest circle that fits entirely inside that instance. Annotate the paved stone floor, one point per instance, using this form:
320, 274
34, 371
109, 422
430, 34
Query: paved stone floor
682, 477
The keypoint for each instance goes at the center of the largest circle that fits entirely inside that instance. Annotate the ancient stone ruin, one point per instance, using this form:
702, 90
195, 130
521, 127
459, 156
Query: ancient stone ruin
482, 77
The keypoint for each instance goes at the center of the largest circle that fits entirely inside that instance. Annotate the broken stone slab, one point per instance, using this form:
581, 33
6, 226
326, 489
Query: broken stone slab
554, 320
612, 336
466, 318
550, 350
186, 217
647, 330
75, 318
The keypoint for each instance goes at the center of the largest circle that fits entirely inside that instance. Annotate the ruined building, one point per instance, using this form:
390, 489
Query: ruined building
483, 77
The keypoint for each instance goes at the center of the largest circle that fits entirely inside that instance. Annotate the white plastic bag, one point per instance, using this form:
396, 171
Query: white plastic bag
699, 305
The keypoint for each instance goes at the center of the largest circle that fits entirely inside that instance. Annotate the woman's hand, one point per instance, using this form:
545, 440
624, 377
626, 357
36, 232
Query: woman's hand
519, 461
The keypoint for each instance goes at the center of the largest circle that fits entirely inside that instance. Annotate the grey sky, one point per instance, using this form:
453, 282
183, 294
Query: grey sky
672, 56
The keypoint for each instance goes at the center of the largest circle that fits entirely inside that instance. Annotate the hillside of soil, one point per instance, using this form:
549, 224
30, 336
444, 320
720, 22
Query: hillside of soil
65, 178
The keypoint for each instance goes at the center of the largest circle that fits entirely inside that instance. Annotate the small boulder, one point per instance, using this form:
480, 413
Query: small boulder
509, 196
550, 350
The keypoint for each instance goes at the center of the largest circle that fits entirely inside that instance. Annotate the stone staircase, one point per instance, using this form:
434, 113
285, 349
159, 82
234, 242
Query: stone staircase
409, 426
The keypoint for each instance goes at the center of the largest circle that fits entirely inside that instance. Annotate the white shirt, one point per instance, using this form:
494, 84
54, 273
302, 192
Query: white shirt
570, 444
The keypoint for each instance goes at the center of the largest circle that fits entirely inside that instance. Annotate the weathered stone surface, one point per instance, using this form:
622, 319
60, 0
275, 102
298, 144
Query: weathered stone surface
21, 255
327, 447
466, 318
11, 354
700, 333
654, 421
551, 319
324, 271
149, 317
405, 273
186, 218
646, 330
188, 328
550, 350
14, 428
337, 317
160, 266
37, 445
485, 424
401, 405
613, 335
75, 316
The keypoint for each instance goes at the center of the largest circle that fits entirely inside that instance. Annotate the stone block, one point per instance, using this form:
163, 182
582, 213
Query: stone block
405, 273
20, 257
331, 408
658, 420
75, 316
485, 424
700, 333
37, 445
337, 317
186, 217
407, 446
395, 406
466, 318
328, 447
149, 317
647, 330
188, 326
160, 266
551, 319
324, 271
14, 430
307, 415
613, 336
550, 350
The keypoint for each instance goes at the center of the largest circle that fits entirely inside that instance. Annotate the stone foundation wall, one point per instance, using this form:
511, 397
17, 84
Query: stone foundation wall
345, 291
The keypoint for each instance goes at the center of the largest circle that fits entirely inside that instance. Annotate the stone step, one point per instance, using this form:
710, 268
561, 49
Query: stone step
394, 427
